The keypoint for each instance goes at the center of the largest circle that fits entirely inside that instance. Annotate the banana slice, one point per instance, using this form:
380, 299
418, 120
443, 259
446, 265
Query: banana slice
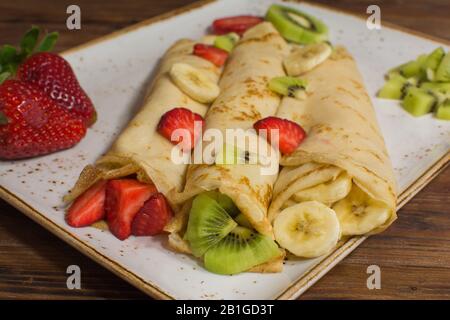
304, 59
359, 214
327, 193
194, 82
308, 229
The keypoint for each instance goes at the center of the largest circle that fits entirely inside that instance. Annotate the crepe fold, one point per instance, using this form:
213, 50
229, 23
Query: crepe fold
342, 134
244, 99
140, 149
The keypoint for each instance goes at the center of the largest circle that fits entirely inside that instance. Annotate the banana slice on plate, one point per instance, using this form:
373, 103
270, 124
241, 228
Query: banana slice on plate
328, 192
359, 214
302, 60
194, 82
308, 229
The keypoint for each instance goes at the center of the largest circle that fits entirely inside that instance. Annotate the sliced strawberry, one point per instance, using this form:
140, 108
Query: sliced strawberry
238, 24
152, 217
89, 207
181, 118
124, 198
211, 53
290, 133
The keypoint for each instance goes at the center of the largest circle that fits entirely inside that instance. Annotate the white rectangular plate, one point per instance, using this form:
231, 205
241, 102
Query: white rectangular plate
115, 70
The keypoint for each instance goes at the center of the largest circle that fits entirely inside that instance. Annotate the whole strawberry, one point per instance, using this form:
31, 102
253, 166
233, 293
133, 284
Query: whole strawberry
54, 75
32, 124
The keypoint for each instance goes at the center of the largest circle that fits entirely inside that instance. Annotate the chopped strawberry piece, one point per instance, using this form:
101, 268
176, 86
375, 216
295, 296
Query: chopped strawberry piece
152, 217
238, 24
290, 133
89, 207
211, 53
181, 118
124, 198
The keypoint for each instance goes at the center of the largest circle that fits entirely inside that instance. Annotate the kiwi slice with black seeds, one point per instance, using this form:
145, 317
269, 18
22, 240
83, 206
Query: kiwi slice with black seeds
297, 26
239, 251
289, 86
226, 42
443, 70
419, 102
208, 223
224, 201
443, 110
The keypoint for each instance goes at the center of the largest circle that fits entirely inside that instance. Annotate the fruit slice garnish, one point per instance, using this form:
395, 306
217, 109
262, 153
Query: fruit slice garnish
224, 201
443, 87
211, 53
89, 207
124, 198
240, 250
304, 59
289, 86
152, 217
443, 111
194, 82
297, 26
237, 24
432, 62
181, 118
308, 229
227, 41
394, 88
443, 70
208, 224
418, 102
290, 134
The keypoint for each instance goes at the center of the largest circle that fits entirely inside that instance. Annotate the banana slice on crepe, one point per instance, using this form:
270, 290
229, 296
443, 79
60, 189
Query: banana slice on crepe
327, 193
302, 60
359, 214
194, 82
308, 229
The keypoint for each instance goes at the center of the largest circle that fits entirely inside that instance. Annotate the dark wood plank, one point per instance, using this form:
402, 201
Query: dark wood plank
414, 254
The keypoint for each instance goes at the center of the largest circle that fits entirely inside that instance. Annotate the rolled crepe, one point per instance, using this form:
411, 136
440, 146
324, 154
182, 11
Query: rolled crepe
244, 99
343, 137
140, 149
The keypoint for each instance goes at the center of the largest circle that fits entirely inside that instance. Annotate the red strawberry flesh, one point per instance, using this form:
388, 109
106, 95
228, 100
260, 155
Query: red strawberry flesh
124, 198
290, 133
89, 207
211, 53
181, 118
35, 125
152, 217
238, 24
54, 75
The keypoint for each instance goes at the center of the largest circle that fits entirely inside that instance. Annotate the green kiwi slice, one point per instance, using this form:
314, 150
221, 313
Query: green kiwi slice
443, 111
224, 201
418, 102
395, 87
297, 26
443, 87
432, 62
443, 70
289, 86
239, 251
208, 223
226, 42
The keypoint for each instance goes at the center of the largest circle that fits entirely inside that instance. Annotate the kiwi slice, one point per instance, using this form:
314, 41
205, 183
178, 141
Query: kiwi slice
226, 42
395, 87
297, 26
443, 70
413, 68
239, 251
432, 62
418, 102
208, 224
289, 86
443, 87
443, 111
224, 201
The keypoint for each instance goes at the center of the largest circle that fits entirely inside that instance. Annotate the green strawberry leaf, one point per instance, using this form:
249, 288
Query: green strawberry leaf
3, 76
29, 41
8, 54
3, 119
48, 42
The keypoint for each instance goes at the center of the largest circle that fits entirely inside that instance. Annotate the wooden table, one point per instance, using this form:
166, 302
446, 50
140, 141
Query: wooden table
414, 254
